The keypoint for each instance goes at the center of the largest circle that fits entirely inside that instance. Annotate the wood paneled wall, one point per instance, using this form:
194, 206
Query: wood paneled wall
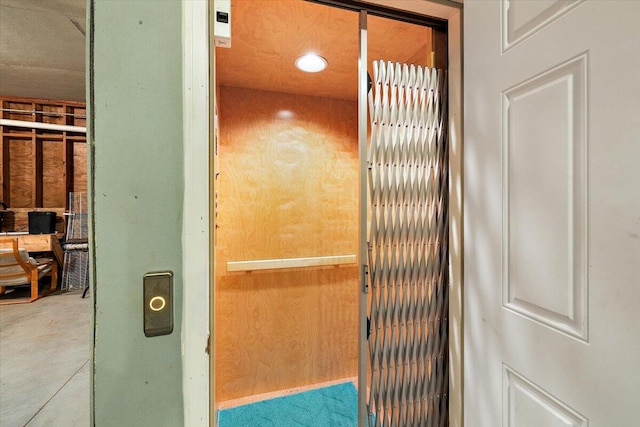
288, 187
40, 167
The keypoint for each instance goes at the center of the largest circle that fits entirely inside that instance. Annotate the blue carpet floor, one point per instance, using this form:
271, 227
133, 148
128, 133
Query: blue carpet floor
335, 406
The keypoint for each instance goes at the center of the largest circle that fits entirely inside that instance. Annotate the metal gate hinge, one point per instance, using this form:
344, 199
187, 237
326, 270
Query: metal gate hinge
365, 279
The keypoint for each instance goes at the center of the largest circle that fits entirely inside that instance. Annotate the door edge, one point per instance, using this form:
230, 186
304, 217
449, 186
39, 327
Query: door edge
196, 241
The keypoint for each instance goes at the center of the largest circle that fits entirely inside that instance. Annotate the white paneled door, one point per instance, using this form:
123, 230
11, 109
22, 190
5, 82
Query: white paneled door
552, 213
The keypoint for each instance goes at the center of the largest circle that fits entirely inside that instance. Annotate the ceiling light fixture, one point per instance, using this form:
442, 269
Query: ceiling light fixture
311, 63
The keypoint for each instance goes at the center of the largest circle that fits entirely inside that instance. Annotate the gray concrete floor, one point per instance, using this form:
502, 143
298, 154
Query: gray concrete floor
44, 362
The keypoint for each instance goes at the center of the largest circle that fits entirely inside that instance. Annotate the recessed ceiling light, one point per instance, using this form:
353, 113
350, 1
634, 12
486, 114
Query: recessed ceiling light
285, 114
311, 63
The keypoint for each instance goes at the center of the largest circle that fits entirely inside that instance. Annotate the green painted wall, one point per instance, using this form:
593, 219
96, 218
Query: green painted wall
137, 187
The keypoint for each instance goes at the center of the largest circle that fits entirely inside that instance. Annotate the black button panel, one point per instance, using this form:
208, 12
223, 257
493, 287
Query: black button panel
158, 303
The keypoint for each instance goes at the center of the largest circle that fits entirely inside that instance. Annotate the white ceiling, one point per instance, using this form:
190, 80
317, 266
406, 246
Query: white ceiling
42, 49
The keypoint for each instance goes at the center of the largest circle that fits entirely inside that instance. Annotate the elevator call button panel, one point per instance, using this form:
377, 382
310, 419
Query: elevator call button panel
158, 303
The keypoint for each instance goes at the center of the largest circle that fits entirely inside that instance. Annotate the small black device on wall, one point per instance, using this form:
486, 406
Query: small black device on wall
158, 303
42, 222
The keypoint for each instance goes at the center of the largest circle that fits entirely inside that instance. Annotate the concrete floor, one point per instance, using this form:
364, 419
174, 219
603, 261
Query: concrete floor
44, 362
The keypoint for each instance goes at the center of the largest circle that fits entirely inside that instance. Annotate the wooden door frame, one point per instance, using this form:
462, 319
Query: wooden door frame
197, 237
199, 100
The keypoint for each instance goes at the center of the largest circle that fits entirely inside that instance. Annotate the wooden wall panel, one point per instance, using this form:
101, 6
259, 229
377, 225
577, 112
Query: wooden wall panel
279, 330
51, 113
79, 167
20, 172
287, 187
18, 110
53, 183
4, 167
76, 115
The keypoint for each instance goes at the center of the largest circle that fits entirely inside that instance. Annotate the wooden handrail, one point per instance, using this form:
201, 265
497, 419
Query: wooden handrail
280, 263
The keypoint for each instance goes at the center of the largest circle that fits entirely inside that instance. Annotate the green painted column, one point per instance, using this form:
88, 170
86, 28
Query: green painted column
136, 186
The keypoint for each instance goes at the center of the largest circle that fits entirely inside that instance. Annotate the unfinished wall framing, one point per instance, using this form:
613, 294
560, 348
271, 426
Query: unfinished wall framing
40, 167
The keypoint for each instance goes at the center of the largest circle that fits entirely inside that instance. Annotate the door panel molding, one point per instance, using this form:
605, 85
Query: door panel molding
521, 20
545, 138
527, 404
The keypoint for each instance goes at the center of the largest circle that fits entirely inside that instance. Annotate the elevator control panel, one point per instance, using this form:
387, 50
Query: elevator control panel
222, 23
158, 303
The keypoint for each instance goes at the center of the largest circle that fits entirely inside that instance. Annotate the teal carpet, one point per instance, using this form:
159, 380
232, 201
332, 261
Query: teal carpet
335, 406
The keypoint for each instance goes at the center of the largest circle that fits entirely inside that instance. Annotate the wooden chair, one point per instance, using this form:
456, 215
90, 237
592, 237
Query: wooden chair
18, 269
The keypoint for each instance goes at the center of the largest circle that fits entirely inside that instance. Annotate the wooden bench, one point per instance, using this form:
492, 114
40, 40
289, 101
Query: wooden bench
17, 268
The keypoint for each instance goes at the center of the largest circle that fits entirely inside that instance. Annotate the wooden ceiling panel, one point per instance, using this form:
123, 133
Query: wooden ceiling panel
398, 41
267, 36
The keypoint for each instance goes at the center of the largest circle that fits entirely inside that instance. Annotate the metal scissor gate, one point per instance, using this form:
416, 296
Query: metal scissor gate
408, 267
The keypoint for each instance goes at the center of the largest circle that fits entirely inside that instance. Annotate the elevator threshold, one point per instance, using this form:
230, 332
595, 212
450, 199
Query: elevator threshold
233, 403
